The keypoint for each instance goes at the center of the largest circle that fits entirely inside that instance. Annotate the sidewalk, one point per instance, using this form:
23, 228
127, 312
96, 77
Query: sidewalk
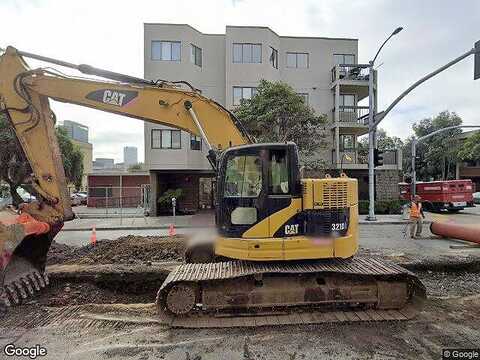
202, 219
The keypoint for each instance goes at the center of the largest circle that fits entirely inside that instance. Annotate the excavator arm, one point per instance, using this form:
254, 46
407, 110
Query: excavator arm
24, 100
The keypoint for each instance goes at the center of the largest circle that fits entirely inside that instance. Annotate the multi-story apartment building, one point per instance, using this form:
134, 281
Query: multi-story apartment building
228, 67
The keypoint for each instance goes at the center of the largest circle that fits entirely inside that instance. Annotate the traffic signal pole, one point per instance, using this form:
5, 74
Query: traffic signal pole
377, 118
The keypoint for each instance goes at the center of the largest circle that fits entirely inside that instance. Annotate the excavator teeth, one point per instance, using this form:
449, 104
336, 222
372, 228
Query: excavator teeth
20, 289
40, 278
13, 294
34, 281
27, 285
4, 302
45, 277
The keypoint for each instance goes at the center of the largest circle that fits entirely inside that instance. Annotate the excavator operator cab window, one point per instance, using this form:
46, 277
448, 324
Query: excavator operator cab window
278, 172
243, 176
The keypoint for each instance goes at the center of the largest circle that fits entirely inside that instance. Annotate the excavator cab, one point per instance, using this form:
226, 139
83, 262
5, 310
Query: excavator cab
254, 182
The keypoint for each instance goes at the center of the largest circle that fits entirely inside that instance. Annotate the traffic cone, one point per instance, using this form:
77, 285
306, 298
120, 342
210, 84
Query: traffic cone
171, 230
93, 237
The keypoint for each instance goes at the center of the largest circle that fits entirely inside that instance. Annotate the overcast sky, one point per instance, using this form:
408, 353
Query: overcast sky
109, 34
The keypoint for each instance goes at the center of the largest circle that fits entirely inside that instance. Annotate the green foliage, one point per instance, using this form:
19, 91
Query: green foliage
4, 190
438, 154
470, 149
384, 142
13, 163
277, 114
14, 166
382, 206
72, 158
165, 200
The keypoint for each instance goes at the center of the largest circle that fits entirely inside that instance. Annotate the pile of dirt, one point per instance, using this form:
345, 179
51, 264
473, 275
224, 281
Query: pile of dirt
124, 250
61, 293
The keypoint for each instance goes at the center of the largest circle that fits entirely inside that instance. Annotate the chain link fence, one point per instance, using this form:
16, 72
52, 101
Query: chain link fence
115, 200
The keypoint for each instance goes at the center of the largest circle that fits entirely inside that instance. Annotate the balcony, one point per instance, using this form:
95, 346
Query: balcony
352, 78
392, 160
350, 72
352, 114
352, 119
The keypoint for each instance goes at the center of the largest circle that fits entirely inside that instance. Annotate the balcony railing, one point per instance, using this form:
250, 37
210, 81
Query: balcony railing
390, 157
357, 72
352, 114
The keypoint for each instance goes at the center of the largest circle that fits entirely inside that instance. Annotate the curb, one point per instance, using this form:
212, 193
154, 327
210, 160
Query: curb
166, 227
158, 227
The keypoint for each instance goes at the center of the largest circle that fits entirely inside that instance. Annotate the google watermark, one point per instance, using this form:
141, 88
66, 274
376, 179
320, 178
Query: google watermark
31, 352
464, 354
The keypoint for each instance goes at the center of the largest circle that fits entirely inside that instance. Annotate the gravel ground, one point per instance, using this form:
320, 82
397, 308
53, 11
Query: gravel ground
111, 330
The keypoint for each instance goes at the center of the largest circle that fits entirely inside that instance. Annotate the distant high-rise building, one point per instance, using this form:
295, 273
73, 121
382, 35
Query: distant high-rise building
103, 163
130, 156
76, 131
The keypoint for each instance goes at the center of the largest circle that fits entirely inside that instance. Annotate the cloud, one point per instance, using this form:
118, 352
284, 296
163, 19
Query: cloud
109, 34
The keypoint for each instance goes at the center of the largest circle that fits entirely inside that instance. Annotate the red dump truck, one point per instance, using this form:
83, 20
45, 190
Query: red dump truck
450, 195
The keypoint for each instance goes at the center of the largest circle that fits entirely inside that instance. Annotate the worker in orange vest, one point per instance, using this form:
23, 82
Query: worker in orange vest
416, 217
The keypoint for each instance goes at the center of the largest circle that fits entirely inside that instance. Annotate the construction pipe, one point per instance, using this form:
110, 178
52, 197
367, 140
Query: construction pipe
456, 231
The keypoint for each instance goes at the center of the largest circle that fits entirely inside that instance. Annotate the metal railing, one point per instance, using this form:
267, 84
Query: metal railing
352, 114
390, 157
358, 72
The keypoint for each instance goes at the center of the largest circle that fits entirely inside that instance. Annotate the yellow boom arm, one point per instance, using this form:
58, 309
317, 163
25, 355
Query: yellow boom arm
24, 97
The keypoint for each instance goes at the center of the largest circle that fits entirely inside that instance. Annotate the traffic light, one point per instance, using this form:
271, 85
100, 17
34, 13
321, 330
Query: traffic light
377, 157
476, 70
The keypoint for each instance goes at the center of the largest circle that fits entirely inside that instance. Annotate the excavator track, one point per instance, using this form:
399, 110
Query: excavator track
249, 294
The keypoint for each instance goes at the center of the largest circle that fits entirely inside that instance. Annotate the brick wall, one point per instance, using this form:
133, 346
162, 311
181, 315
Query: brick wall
387, 184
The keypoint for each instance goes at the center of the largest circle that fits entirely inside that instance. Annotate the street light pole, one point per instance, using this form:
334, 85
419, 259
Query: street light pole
371, 146
371, 130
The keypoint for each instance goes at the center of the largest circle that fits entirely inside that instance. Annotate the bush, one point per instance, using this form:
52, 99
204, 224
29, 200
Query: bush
165, 200
382, 206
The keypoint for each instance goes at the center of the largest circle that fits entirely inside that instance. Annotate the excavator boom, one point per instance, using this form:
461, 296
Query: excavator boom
24, 101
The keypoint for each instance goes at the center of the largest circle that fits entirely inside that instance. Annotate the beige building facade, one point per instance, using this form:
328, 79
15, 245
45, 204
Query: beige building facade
228, 67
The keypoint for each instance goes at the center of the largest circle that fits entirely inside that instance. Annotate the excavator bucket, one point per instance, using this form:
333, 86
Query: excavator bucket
24, 244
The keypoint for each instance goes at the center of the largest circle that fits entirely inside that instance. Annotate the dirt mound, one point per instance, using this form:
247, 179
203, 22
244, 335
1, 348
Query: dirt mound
124, 250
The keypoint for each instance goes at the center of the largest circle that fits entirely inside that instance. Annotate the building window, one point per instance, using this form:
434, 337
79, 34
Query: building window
305, 97
166, 139
347, 142
274, 57
195, 142
245, 93
344, 59
347, 100
247, 53
166, 50
196, 55
297, 60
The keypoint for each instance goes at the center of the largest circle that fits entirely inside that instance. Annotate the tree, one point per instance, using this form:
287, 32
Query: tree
277, 114
14, 166
72, 158
470, 149
13, 163
436, 156
384, 142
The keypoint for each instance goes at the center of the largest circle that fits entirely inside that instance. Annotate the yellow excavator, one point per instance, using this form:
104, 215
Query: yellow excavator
284, 246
